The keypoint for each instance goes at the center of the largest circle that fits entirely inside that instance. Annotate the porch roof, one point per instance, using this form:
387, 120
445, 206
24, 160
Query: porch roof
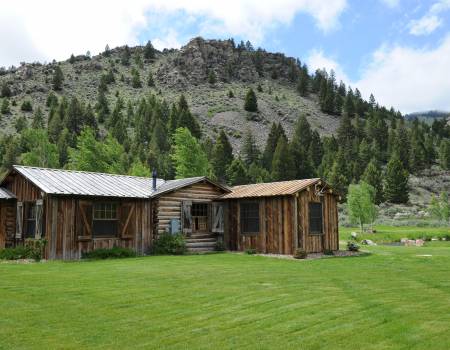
281, 188
6, 194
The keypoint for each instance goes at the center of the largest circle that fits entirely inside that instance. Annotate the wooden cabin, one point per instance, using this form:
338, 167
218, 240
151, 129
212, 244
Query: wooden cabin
282, 216
78, 212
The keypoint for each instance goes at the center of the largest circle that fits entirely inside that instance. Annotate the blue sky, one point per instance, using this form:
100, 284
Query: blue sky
397, 49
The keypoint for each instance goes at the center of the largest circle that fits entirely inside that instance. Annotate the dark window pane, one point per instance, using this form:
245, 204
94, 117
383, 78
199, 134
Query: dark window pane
315, 218
105, 228
199, 209
249, 217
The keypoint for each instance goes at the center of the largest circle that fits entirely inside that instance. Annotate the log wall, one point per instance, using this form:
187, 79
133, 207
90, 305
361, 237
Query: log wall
7, 223
168, 205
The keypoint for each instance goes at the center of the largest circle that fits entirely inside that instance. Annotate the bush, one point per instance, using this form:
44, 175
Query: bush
250, 251
328, 252
352, 246
112, 253
26, 106
168, 244
300, 253
33, 249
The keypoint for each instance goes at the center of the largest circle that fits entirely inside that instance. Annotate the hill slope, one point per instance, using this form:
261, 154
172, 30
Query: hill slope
183, 71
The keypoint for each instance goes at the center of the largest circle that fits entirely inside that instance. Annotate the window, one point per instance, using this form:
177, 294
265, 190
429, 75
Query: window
315, 218
30, 217
249, 217
199, 217
105, 223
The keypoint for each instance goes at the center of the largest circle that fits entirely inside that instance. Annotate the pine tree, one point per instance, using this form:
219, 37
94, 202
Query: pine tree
222, 156
5, 91
374, 177
282, 163
338, 176
125, 56
58, 79
135, 79
150, 80
236, 173
212, 77
276, 131
251, 102
250, 151
444, 154
74, 117
102, 107
149, 51
402, 145
396, 188
5, 107
299, 149
38, 119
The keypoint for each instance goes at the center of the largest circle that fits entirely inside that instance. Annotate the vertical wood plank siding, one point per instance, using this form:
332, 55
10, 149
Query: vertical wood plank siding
7, 223
168, 206
284, 225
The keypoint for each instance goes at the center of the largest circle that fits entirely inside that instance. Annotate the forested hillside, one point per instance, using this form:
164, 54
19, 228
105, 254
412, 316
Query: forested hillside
217, 108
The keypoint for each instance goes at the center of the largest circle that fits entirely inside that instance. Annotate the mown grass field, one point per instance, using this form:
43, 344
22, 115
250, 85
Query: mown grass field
385, 234
394, 298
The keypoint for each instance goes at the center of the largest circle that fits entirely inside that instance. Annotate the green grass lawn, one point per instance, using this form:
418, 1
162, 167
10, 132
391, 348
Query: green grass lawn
394, 298
396, 233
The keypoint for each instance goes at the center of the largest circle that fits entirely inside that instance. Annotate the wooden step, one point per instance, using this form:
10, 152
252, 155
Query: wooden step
194, 240
201, 244
201, 250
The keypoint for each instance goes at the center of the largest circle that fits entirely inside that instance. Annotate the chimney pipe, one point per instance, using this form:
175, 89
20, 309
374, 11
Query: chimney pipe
154, 176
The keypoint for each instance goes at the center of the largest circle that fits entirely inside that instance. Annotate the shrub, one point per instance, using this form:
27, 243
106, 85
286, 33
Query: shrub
168, 244
352, 246
26, 106
250, 251
300, 253
112, 253
33, 249
328, 252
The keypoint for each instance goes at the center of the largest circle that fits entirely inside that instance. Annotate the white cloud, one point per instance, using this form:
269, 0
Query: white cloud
391, 3
425, 25
170, 40
317, 60
431, 20
49, 29
408, 79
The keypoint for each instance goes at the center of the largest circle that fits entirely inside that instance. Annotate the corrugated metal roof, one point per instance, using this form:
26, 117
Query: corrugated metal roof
6, 194
82, 183
171, 185
281, 188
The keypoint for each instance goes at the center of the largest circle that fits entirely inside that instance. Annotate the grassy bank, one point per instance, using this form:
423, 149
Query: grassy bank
385, 234
394, 298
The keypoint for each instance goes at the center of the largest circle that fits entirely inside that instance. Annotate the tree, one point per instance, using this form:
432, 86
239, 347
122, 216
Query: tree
222, 156
236, 173
282, 163
58, 79
102, 107
38, 119
104, 156
149, 51
5, 91
139, 169
361, 204
26, 106
188, 157
135, 79
39, 151
5, 107
444, 154
374, 177
251, 102
396, 188
299, 148
125, 56
276, 131
250, 151
440, 207
150, 80
212, 79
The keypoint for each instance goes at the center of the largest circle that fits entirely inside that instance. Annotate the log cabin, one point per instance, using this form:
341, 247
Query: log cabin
77, 212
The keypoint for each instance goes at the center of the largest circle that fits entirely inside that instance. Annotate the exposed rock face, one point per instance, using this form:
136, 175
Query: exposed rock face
192, 64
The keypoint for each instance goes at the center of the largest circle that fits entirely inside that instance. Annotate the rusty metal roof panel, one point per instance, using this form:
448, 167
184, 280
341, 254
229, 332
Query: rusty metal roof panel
6, 194
281, 188
82, 183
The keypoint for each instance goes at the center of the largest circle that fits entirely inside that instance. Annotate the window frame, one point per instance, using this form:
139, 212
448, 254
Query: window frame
311, 232
107, 210
241, 217
30, 221
195, 219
